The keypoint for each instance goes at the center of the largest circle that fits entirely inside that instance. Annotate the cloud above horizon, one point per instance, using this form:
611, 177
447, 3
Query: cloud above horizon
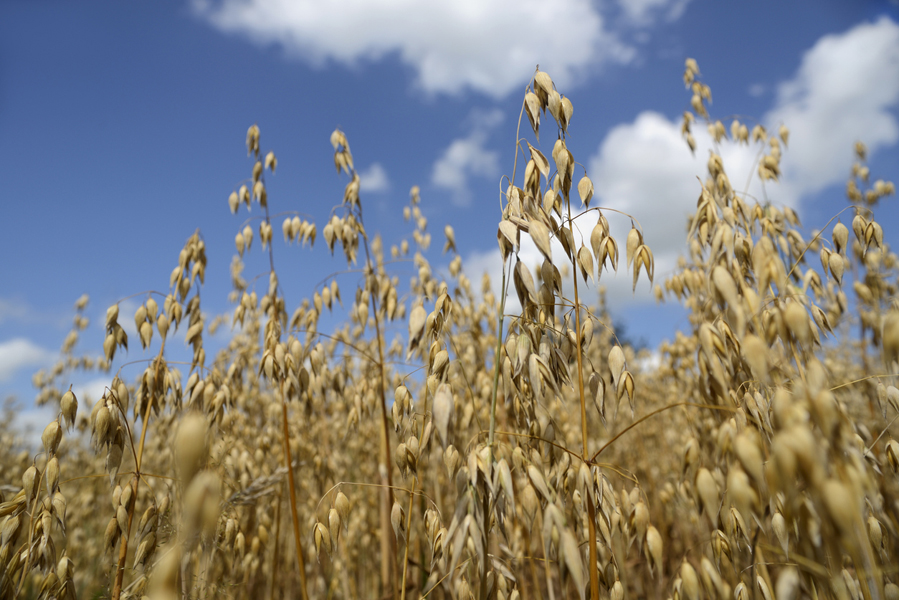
845, 89
21, 353
374, 179
486, 47
468, 157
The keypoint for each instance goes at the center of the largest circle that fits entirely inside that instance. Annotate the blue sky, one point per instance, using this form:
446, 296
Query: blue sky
123, 130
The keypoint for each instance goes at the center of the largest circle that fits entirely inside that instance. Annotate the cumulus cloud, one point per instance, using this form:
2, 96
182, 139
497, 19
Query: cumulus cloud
466, 157
642, 169
21, 353
374, 179
488, 47
846, 88
645, 169
618, 286
32, 421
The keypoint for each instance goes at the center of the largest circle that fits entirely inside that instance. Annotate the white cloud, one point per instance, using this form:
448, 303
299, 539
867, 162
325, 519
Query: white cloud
618, 286
466, 157
490, 47
33, 421
649, 362
90, 391
374, 179
645, 169
21, 353
846, 89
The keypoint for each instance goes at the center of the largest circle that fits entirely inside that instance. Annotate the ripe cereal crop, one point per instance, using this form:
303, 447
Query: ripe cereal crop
440, 443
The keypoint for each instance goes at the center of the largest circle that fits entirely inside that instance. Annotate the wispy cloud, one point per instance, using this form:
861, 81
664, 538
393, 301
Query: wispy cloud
645, 12
846, 89
374, 179
16, 310
30, 422
21, 353
13, 310
756, 90
468, 157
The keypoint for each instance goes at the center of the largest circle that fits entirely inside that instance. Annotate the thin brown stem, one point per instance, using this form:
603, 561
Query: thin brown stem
27, 565
496, 370
591, 509
388, 544
123, 546
408, 531
138, 458
288, 459
649, 416
411, 498
277, 544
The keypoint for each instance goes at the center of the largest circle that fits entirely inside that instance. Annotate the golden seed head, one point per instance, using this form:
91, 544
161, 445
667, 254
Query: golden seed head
69, 407
51, 437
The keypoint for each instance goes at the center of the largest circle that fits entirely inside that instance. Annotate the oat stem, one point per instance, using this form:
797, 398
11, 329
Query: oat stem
388, 545
123, 549
496, 370
277, 545
288, 459
27, 565
408, 539
591, 509
421, 434
497, 362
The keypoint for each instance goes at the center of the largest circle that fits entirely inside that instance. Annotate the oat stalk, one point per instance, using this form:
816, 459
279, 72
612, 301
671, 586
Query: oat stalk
291, 486
135, 480
591, 508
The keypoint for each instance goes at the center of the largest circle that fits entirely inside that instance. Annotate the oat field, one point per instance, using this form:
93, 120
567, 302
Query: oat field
448, 442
